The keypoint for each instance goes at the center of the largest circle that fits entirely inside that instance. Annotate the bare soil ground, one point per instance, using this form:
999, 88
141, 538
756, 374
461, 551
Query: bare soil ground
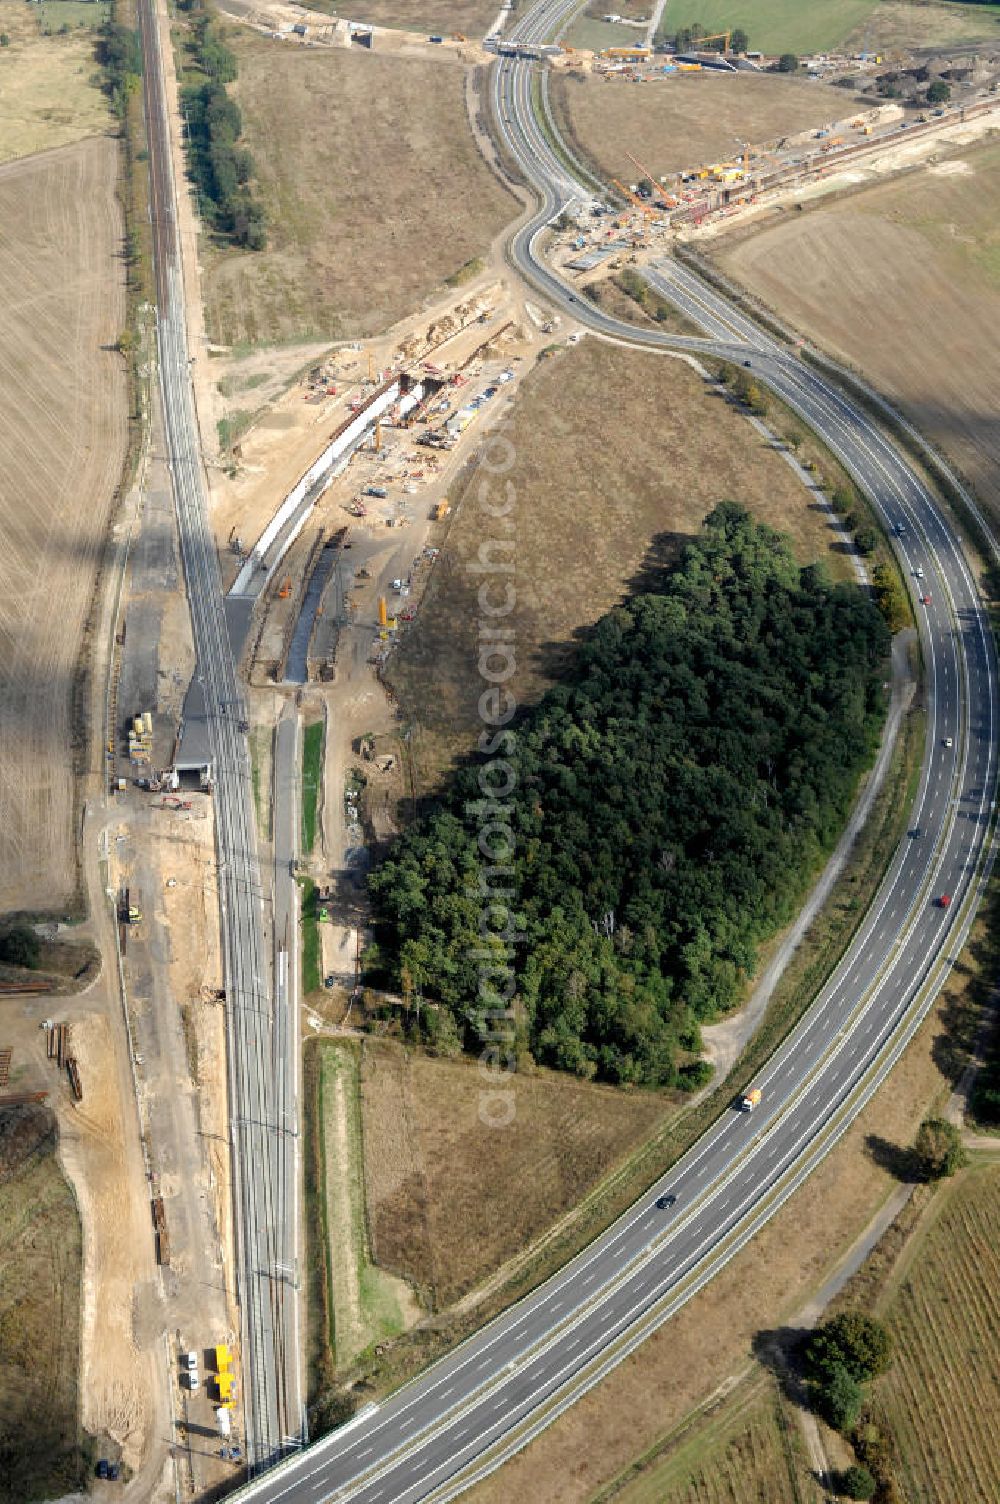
117, 1384
62, 444
708, 1343
849, 273
593, 520
365, 218
941, 1397
41, 1253
449, 1198
685, 120
50, 90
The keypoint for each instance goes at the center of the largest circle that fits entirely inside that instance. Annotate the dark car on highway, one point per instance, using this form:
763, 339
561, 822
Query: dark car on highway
665, 1201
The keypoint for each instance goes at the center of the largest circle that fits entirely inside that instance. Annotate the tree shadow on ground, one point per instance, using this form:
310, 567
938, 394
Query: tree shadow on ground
899, 1159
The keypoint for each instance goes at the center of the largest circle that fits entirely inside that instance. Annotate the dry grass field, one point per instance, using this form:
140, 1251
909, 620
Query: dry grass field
49, 85
591, 517
686, 120
941, 1397
449, 1198
373, 185
903, 281
749, 1453
903, 24
472, 18
41, 1254
62, 443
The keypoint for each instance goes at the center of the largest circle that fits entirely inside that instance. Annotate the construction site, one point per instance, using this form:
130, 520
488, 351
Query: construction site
341, 517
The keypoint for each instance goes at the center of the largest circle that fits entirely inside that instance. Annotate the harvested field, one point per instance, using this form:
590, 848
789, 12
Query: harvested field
941, 1398
684, 121
847, 273
774, 25
450, 1198
62, 444
41, 1253
748, 1452
364, 220
50, 90
591, 519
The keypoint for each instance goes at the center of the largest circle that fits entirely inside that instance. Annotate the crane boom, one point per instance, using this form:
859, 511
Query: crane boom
633, 198
656, 186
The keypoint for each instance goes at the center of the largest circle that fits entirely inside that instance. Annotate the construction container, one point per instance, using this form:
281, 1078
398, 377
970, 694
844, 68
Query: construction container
224, 1384
223, 1358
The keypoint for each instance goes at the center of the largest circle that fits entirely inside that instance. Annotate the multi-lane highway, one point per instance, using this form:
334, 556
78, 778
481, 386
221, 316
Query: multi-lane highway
261, 1046
481, 1403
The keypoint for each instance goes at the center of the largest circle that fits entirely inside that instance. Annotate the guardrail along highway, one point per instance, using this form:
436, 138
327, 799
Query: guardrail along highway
485, 1400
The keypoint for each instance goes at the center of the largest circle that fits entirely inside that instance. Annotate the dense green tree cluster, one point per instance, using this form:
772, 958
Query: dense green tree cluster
839, 1357
857, 1482
121, 55
222, 169
20, 946
938, 1151
661, 812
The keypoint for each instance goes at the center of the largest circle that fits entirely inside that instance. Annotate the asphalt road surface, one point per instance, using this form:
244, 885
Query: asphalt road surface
259, 1041
484, 1401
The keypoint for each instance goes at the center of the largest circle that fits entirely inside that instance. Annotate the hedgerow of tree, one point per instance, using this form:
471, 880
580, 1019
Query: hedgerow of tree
673, 799
119, 52
221, 168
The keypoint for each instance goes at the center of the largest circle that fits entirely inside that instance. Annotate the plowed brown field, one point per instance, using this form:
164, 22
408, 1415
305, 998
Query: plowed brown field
62, 442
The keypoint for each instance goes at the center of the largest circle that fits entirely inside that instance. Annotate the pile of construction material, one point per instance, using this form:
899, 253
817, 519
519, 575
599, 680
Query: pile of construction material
140, 740
57, 1048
